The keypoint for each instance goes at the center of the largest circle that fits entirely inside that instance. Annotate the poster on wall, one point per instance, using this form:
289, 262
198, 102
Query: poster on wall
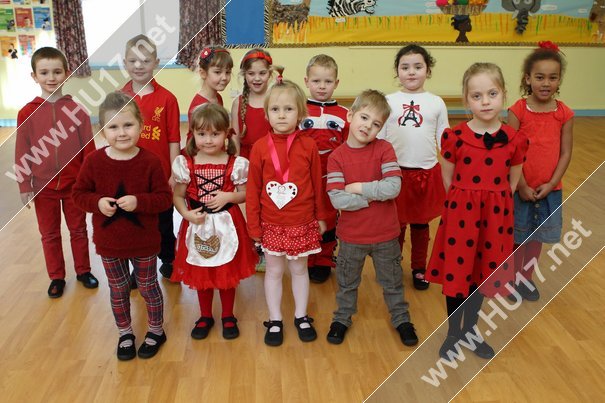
24, 18
27, 43
5, 2
22, 2
8, 47
446, 22
7, 20
42, 18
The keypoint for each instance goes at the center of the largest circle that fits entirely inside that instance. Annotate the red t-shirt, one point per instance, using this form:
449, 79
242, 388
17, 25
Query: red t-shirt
543, 129
305, 173
161, 122
378, 222
195, 102
257, 127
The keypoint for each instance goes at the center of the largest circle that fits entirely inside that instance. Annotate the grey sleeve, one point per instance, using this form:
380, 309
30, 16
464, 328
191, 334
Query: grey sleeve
384, 189
342, 200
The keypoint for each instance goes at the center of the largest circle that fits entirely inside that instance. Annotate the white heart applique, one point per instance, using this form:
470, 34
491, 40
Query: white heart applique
281, 194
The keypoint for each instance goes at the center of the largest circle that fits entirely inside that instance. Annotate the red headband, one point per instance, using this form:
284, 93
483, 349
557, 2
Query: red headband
549, 45
258, 55
207, 53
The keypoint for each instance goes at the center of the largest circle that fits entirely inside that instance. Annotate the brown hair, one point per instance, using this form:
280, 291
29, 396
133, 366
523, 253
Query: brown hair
118, 102
538, 55
142, 42
374, 100
48, 53
210, 116
215, 56
490, 69
245, 65
287, 85
323, 61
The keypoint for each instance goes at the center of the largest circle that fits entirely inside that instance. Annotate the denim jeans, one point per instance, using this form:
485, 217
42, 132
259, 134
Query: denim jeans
386, 257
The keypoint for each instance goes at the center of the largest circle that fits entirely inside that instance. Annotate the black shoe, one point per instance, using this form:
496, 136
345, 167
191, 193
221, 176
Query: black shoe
526, 293
484, 350
319, 274
201, 332
126, 353
274, 338
55, 290
407, 334
88, 280
148, 350
337, 332
305, 333
133, 282
419, 282
448, 345
166, 270
230, 332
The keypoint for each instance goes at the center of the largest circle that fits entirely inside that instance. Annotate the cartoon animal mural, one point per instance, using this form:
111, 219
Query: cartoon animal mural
597, 16
521, 10
344, 8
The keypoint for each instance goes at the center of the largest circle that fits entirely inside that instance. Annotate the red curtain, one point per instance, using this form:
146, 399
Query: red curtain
71, 40
200, 26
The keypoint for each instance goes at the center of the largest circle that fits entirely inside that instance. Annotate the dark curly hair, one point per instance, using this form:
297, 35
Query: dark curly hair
414, 49
539, 55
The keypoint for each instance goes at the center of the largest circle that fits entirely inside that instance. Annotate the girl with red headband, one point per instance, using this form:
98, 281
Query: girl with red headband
548, 124
247, 113
215, 70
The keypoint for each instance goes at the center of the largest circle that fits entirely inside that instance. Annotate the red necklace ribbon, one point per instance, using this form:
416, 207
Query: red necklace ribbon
283, 175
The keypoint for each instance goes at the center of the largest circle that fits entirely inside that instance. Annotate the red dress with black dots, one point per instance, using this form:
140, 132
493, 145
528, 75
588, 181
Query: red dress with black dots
475, 234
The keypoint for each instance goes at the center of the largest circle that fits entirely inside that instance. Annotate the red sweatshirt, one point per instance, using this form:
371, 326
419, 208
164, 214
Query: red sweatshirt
124, 235
54, 133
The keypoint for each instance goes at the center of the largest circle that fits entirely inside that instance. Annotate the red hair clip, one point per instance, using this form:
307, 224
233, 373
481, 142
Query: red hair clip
207, 53
258, 55
549, 45
280, 78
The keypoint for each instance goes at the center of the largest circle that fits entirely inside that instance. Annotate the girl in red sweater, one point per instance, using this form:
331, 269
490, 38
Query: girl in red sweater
213, 249
124, 188
284, 205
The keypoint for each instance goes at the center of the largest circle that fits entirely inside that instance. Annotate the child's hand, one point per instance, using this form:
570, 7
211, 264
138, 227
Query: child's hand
354, 188
107, 206
543, 190
195, 216
171, 182
527, 193
127, 203
26, 197
322, 226
219, 200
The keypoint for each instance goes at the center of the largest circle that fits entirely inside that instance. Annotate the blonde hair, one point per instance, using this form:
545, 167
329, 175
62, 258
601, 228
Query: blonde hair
372, 99
142, 42
322, 60
210, 116
297, 92
118, 102
492, 70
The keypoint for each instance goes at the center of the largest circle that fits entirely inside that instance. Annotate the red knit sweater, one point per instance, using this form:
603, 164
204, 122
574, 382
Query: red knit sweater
124, 235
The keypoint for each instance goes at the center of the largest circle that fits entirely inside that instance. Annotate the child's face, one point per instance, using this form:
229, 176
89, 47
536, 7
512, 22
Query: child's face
282, 112
412, 72
216, 78
122, 131
364, 126
50, 75
321, 82
140, 64
485, 98
544, 79
210, 141
257, 76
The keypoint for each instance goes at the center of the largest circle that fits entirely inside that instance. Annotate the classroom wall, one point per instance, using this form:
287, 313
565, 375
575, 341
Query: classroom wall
360, 67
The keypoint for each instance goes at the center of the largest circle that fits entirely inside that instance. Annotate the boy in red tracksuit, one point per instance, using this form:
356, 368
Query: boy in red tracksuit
53, 129
326, 123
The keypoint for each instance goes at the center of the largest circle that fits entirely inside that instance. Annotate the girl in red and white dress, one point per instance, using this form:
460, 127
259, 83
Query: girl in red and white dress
213, 247
215, 65
285, 207
248, 117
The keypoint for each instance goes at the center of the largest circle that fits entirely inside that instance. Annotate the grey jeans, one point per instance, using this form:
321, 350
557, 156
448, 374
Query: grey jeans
386, 257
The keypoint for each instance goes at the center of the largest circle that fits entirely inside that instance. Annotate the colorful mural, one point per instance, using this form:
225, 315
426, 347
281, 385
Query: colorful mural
470, 22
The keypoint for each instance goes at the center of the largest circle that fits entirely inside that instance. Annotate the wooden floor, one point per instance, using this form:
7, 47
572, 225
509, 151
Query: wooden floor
64, 350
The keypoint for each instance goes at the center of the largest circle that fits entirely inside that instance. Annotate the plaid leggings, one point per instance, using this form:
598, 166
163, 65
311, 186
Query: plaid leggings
118, 276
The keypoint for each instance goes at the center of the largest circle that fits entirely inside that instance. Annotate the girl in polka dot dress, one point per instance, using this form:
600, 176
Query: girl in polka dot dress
284, 205
482, 164
548, 124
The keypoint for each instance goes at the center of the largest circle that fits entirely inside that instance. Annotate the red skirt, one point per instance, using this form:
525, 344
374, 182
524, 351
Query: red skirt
225, 276
422, 195
292, 242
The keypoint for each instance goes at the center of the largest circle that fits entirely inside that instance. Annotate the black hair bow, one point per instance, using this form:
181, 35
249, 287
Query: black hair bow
490, 140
